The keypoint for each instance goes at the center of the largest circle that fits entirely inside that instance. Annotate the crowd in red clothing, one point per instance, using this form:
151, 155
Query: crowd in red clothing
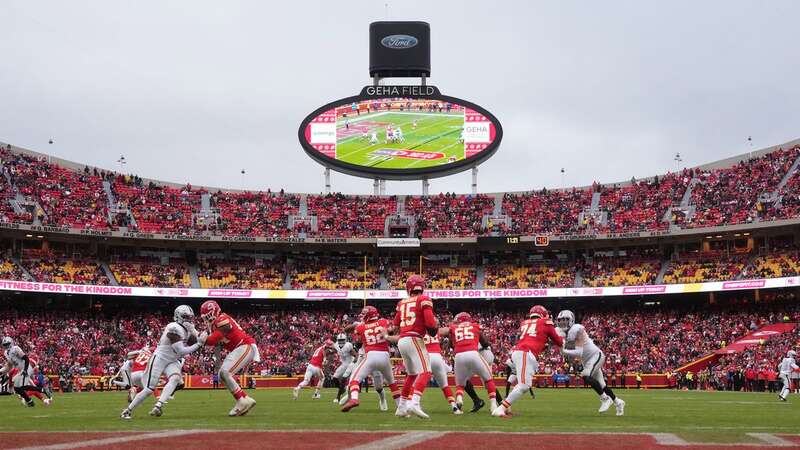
350, 216
446, 215
76, 198
652, 339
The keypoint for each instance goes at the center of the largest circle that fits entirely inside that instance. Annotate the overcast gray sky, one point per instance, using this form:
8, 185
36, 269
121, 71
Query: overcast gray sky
197, 90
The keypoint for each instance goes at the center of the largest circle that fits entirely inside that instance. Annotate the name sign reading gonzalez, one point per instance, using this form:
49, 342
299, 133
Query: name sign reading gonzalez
277, 294
400, 132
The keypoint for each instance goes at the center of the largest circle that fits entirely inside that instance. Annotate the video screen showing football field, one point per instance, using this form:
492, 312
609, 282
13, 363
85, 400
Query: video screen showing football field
390, 136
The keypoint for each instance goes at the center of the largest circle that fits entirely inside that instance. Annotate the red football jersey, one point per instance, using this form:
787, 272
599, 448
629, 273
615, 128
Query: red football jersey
371, 336
318, 357
411, 314
432, 343
230, 340
465, 336
533, 335
140, 362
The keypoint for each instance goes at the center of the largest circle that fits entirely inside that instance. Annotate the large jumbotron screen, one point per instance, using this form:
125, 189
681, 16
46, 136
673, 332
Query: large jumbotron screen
400, 136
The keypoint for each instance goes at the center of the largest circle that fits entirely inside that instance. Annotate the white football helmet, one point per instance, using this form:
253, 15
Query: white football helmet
7, 342
565, 319
183, 313
789, 354
341, 338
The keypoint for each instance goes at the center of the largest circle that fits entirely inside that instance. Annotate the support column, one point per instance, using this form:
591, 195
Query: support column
376, 190
327, 180
474, 180
425, 186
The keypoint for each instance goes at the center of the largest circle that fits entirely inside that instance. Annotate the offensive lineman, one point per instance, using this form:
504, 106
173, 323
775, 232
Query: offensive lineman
172, 347
534, 333
241, 348
347, 354
787, 366
466, 337
578, 345
22, 380
414, 318
314, 370
372, 332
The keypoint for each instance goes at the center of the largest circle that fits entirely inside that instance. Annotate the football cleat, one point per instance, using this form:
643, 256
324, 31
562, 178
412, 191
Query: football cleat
620, 405
244, 405
605, 403
47, 401
457, 411
401, 411
477, 406
30, 403
492, 404
316, 396
416, 410
382, 404
352, 403
781, 398
295, 393
156, 411
336, 400
500, 411
126, 415
343, 400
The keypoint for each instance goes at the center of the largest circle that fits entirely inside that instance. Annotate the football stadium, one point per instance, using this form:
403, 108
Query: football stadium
188, 262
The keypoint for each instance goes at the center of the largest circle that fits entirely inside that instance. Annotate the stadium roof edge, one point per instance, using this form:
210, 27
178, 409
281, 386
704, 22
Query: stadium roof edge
720, 164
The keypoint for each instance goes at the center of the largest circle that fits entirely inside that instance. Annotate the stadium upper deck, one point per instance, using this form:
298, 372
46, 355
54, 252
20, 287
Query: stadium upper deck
742, 193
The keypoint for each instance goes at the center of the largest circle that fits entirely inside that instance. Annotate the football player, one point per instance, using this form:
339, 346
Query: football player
347, 354
314, 370
511, 377
787, 366
466, 336
22, 379
440, 369
173, 345
242, 350
579, 346
414, 318
371, 333
534, 334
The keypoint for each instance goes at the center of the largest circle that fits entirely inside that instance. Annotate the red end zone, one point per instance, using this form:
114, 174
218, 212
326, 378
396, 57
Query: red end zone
312, 439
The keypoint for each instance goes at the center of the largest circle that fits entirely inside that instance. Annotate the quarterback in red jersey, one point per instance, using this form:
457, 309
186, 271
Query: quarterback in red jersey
534, 333
466, 338
242, 350
413, 319
371, 333
314, 370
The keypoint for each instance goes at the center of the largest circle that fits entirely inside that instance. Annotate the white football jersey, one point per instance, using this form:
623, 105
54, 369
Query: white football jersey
344, 351
787, 366
164, 348
14, 357
577, 334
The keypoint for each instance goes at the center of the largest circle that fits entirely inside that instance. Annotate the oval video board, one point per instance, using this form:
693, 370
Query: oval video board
400, 133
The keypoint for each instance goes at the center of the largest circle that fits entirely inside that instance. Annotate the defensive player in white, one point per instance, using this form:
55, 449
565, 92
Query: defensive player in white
785, 369
373, 138
579, 346
23, 380
347, 355
172, 347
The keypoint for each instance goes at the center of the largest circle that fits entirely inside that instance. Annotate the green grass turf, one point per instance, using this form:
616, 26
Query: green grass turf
435, 132
700, 416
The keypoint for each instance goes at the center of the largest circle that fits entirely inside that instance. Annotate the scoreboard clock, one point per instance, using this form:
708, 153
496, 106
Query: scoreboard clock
500, 240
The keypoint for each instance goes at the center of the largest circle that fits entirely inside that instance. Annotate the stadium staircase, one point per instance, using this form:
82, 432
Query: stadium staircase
193, 275
383, 282
578, 278
109, 273
302, 216
775, 196
684, 205
498, 204
22, 268
664, 267
594, 210
116, 208
480, 276
401, 205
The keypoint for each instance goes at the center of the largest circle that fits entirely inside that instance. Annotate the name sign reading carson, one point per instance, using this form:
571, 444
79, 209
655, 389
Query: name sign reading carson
400, 133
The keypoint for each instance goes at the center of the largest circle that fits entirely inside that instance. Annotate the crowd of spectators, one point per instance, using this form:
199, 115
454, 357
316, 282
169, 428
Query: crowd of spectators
241, 273
731, 196
332, 272
448, 214
152, 272
439, 274
501, 273
620, 271
253, 213
157, 208
705, 267
350, 216
53, 267
546, 211
635, 338
641, 206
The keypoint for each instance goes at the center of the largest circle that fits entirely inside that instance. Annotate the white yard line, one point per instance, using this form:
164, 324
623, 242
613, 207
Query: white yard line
115, 440
400, 441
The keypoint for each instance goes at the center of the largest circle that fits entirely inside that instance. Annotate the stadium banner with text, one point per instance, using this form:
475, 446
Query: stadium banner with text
344, 294
397, 242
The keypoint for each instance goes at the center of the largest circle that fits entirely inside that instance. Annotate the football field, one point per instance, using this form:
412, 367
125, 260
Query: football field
566, 418
434, 141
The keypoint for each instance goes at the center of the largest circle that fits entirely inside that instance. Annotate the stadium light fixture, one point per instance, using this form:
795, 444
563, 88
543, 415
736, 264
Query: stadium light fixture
28, 235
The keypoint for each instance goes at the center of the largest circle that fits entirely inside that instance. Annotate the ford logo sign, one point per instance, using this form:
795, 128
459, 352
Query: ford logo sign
399, 41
